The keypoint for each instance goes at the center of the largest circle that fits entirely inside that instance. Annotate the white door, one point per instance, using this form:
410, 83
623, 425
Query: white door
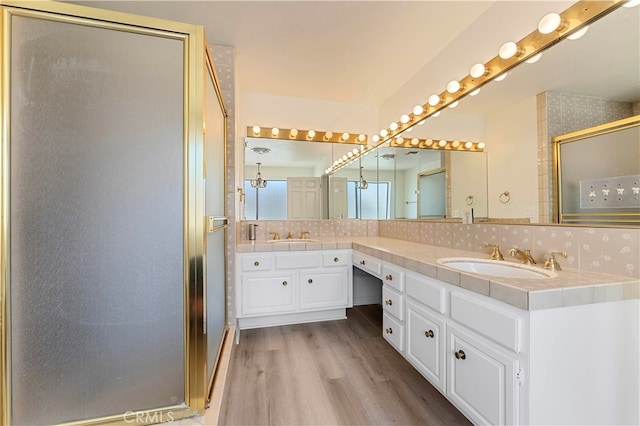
338, 198
304, 198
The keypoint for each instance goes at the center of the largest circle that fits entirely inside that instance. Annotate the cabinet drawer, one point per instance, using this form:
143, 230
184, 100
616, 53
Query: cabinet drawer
393, 277
368, 264
336, 259
428, 291
258, 262
393, 331
393, 302
297, 260
499, 325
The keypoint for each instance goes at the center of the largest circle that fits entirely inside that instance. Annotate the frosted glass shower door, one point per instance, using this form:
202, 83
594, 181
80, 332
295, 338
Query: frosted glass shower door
100, 232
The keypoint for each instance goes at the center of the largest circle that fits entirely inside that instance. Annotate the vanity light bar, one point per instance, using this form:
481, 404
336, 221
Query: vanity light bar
573, 19
306, 135
438, 144
348, 158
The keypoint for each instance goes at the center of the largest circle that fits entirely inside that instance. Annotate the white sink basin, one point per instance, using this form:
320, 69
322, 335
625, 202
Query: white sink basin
496, 268
294, 240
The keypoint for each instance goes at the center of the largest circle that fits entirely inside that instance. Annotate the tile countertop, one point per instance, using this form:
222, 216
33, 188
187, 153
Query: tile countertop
571, 286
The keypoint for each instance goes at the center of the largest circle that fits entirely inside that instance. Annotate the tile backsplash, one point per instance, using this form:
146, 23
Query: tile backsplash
613, 251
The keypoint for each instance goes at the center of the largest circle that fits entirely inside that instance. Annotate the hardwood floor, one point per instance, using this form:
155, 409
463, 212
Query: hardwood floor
329, 373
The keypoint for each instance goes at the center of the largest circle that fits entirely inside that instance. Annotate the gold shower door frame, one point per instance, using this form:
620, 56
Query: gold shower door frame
195, 347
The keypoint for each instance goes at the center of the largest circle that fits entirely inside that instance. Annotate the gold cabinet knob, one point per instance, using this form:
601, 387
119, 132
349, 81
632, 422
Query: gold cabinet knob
284, 283
389, 330
335, 259
460, 354
388, 302
310, 281
388, 277
428, 333
256, 263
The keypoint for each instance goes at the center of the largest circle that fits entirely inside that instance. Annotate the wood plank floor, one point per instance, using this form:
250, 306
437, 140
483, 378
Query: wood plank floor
329, 373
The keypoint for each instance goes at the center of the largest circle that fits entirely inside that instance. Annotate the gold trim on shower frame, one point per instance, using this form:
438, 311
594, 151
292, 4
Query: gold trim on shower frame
590, 219
195, 391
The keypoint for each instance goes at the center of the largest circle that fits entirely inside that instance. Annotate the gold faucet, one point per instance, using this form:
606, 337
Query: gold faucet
551, 263
276, 236
524, 256
289, 235
495, 255
303, 235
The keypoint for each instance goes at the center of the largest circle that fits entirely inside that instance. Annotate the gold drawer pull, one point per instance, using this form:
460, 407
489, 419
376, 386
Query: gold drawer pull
389, 277
388, 330
460, 354
428, 333
256, 263
362, 262
388, 302
284, 283
310, 281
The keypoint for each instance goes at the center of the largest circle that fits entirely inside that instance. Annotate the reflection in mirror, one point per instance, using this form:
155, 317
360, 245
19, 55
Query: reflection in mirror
432, 184
598, 174
354, 190
293, 172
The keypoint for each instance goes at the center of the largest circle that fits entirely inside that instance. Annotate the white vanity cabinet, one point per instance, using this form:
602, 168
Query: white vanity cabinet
276, 288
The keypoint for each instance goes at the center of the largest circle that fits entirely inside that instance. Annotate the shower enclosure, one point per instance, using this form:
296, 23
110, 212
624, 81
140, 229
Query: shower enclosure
106, 313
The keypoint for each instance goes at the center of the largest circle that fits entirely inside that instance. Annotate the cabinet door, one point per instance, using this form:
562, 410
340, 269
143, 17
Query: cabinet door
425, 343
481, 379
320, 289
263, 294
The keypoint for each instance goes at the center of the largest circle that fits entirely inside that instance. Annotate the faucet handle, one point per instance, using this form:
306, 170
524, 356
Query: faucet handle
303, 235
289, 235
551, 263
496, 255
276, 235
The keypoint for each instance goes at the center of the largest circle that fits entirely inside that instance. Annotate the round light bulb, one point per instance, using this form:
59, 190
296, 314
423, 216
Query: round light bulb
442, 142
437, 114
375, 138
455, 144
399, 141
453, 104
434, 100
501, 77
534, 58
256, 130
582, 31
355, 150
468, 145
481, 145
422, 122
349, 154
345, 136
404, 118
311, 134
429, 142
549, 23
393, 126
344, 157
384, 133
508, 50
475, 92
415, 142
293, 133
417, 110
362, 137
477, 70
275, 131
453, 86
328, 135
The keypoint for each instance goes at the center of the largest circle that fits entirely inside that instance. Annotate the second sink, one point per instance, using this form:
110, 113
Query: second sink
496, 268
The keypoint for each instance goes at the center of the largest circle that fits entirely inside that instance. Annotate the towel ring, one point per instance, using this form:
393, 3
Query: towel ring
469, 200
504, 197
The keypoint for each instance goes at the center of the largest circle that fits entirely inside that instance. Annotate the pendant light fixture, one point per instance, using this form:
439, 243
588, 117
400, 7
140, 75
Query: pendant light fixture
258, 182
362, 184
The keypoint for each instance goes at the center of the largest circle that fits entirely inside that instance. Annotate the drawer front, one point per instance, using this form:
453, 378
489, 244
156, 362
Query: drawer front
393, 277
368, 264
428, 291
297, 260
499, 325
425, 343
393, 331
257, 262
393, 302
336, 259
